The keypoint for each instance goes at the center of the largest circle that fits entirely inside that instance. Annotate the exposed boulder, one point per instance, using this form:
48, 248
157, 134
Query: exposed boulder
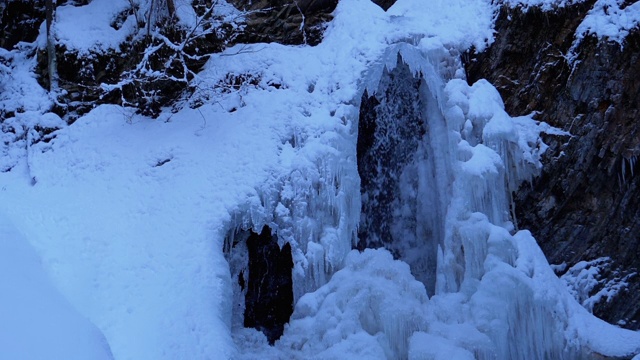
585, 203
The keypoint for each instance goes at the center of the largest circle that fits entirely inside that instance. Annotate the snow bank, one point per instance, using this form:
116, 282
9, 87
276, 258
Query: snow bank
123, 224
37, 321
92, 27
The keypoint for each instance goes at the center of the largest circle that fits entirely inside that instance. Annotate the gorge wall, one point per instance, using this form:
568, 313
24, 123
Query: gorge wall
584, 205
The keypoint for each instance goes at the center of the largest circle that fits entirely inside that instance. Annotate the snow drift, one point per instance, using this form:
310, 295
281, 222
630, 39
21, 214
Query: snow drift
37, 321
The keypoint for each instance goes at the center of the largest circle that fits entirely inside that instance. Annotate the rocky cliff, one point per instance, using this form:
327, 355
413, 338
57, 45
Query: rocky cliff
584, 206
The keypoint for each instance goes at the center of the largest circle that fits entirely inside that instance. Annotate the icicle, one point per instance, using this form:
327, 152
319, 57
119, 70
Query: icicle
316, 204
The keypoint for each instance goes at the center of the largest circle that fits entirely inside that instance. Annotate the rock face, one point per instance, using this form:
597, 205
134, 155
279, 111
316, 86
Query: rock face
19, 21
283, 21
585, 203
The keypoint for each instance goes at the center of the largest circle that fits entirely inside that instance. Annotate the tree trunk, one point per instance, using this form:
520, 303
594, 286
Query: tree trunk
51, 48
171, 6
149, 18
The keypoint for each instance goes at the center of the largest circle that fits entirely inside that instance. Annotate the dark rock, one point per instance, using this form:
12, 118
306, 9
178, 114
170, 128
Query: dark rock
269, 293
285, 21
384, 4
20, 21
585, 203
124, 72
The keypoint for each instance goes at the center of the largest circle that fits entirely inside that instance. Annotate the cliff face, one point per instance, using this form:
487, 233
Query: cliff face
585, 203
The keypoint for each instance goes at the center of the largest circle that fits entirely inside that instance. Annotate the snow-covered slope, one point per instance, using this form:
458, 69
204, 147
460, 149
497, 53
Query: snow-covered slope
130, 214
37, 321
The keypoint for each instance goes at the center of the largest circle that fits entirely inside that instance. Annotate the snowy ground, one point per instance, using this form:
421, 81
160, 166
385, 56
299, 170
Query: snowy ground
37, 321
128, 215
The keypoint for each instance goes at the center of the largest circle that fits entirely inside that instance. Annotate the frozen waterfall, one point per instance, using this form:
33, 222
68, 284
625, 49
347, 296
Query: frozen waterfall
449, 274
404, 162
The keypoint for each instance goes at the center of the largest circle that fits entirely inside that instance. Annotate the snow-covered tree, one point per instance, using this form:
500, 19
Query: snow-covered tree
51, 48
169, 49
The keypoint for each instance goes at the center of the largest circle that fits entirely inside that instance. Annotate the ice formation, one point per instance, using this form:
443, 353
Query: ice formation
492, 293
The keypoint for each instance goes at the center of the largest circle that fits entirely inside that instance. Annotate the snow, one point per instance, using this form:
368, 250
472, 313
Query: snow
586, 284
94, 22
23, 103
453, 24
20, 89
105, 25
120, 215
37, 322
425, 347
609, 20
368, 302
546, 5
134, 219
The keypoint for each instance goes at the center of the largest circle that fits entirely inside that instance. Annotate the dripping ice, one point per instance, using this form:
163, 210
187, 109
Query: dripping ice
486, 290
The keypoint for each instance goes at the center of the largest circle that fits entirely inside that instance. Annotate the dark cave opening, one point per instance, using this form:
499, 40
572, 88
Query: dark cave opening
269, 287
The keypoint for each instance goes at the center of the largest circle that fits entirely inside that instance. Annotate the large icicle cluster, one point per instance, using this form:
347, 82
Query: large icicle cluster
495, 295
314, 207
